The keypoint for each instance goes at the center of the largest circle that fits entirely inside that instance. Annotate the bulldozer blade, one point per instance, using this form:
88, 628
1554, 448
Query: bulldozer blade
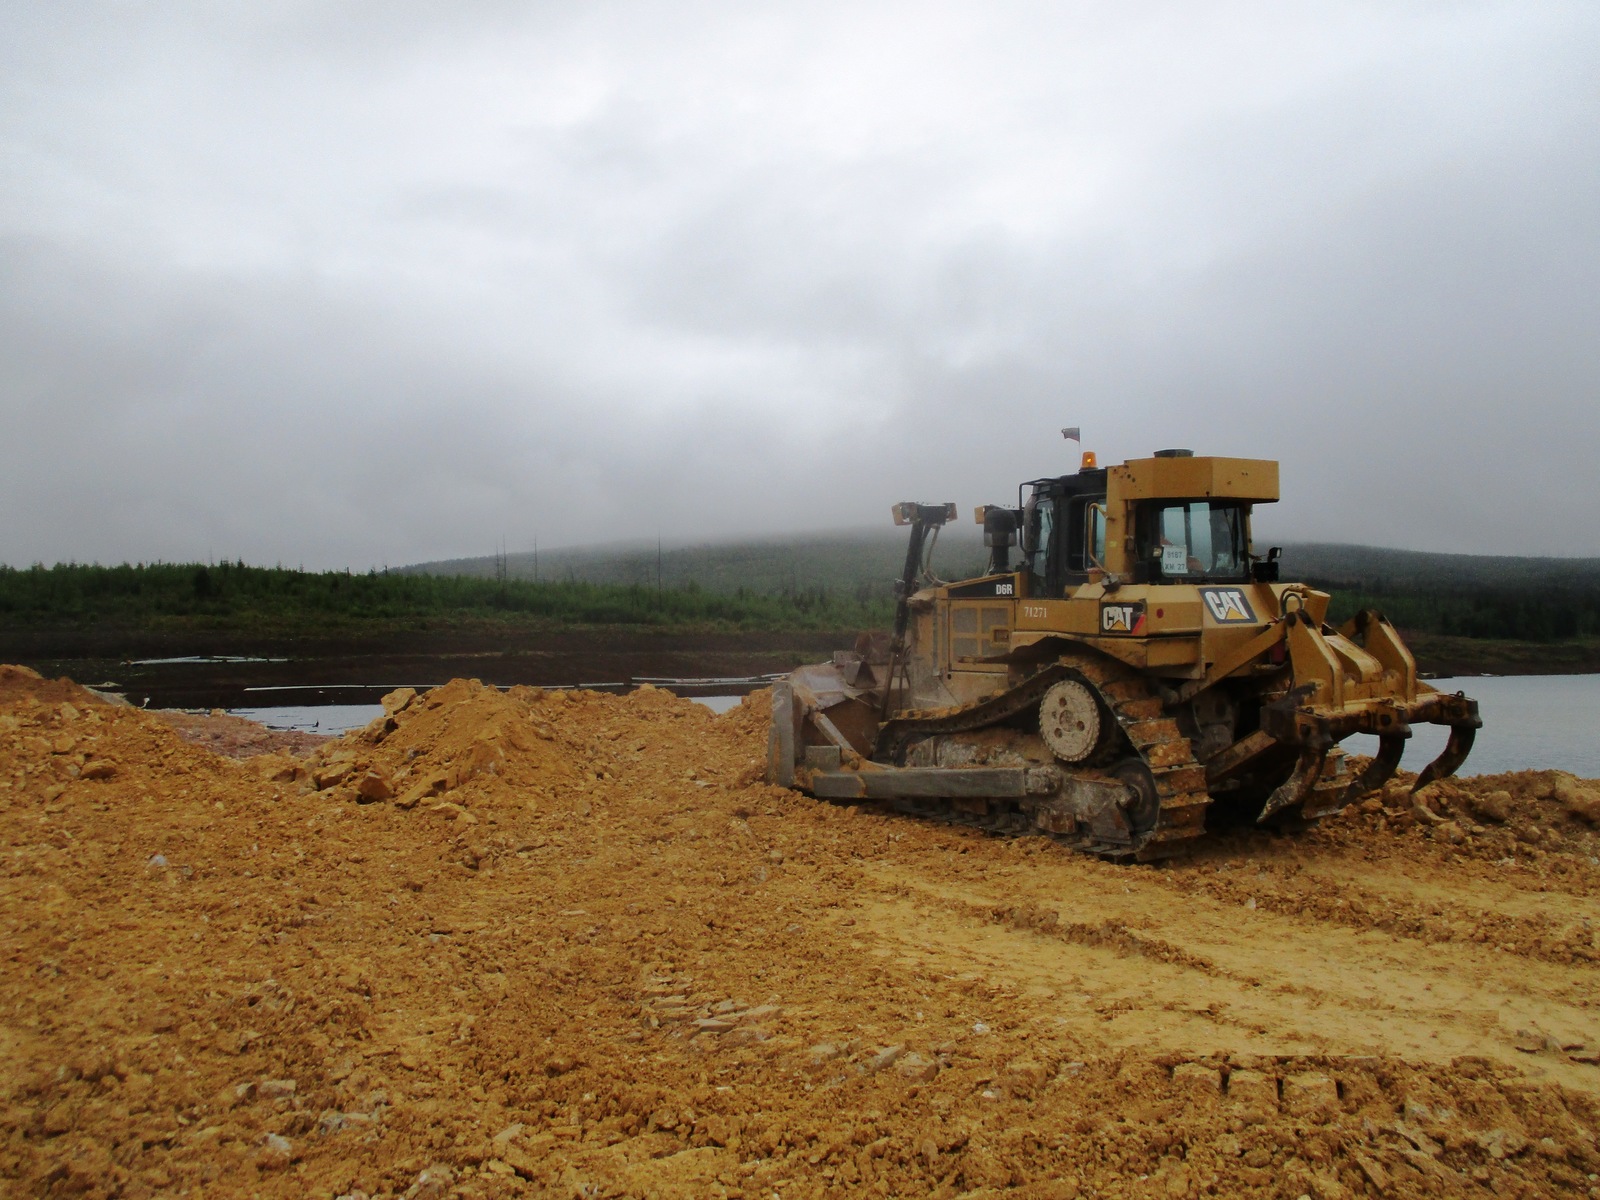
781, 736
1299, 784
1378, 772
1455, 753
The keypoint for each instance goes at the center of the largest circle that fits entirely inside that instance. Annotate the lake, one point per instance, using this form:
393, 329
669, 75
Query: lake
1530, 722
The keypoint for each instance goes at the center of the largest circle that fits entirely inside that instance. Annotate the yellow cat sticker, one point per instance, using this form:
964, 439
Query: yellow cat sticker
1228, 606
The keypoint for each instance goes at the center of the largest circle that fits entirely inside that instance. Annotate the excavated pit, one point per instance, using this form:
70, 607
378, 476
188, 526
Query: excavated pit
567, 944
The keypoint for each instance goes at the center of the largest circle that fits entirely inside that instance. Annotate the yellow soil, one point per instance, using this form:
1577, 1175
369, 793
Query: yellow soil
567, 944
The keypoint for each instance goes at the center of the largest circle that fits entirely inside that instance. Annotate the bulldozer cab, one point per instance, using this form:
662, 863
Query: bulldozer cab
1064, 531
1170, 519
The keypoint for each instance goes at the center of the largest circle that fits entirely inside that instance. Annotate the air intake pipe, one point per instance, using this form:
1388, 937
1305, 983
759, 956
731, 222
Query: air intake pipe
999, 534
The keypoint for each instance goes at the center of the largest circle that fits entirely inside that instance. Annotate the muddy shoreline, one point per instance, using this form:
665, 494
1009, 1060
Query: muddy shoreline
1445, 657
357, 670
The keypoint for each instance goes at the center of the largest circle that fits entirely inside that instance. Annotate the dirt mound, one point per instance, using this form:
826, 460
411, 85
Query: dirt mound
535, 943
24, 683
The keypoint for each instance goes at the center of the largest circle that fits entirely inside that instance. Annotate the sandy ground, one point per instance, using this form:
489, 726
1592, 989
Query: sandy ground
566, 944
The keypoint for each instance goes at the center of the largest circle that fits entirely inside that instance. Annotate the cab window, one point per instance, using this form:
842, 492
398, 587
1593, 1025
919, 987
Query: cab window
1095, 516
1085, 534
1194, 540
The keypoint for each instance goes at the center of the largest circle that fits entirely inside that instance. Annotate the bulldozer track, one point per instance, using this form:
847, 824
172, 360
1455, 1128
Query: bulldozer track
1180, 779
895, 733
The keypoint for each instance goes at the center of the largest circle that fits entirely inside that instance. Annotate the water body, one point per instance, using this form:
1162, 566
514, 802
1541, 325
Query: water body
340, 718
320, 718
202, 659
1530, 722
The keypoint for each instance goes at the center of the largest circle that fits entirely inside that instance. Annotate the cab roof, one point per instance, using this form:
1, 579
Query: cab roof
1195, 478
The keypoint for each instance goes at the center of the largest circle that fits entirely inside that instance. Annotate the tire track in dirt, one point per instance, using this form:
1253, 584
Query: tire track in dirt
1283, 976
1530, 925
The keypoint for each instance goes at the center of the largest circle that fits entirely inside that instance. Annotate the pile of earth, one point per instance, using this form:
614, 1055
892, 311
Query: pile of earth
569, 944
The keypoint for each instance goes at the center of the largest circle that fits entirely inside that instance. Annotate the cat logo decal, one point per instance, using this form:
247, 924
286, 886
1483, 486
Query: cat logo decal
1229, 606
1122, 618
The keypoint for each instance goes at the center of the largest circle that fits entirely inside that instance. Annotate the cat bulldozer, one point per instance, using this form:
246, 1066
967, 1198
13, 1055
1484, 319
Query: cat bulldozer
1125, 674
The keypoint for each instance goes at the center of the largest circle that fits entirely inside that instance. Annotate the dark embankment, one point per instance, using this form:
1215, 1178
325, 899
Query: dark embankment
359, 669
346, 638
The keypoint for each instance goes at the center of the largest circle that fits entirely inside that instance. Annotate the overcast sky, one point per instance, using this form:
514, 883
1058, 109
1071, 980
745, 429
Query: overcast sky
363, 283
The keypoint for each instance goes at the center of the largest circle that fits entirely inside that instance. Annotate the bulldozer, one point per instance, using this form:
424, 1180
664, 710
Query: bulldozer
1126, 674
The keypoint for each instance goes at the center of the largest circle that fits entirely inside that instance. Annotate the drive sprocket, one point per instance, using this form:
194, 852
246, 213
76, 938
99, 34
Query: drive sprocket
1070, 721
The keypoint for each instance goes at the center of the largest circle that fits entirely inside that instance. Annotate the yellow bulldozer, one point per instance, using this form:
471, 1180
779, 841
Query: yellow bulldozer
1125, 674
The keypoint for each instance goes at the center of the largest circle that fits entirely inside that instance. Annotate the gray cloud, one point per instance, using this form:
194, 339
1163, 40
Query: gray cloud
351, 284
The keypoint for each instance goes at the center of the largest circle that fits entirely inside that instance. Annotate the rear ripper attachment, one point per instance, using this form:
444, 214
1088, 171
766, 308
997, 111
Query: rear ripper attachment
1126, 674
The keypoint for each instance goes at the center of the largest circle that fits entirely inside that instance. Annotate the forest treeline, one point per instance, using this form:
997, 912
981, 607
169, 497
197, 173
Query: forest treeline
1477, 611
862, 563
766, 587
237, 594
1457, 595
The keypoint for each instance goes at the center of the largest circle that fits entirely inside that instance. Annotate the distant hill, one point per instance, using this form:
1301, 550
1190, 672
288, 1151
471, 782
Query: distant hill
1455, 595
864, 564
1380, 568
872, 560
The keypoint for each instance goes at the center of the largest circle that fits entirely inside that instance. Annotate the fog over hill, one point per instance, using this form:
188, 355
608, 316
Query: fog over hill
873, 559
866, 561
